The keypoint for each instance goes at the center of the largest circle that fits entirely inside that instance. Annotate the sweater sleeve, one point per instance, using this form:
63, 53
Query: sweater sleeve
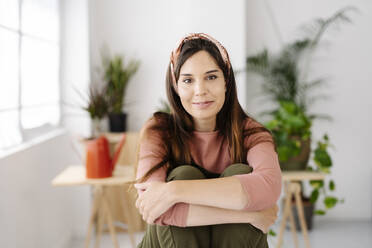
262, 186
152, 152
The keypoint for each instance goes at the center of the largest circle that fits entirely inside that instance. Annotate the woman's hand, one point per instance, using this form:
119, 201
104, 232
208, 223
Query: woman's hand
154, 201
265, 218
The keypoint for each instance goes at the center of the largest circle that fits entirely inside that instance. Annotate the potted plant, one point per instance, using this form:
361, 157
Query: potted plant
117, 75
291, 129
286, 83
97, 106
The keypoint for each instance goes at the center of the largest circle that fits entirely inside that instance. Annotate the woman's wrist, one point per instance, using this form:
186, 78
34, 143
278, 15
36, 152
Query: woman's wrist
174, 190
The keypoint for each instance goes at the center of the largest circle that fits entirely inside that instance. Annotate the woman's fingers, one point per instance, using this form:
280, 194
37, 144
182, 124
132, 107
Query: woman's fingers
142, 186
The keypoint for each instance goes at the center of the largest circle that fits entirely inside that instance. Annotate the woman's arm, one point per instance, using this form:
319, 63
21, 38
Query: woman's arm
204, 215
226, 192
161, 195
254, 191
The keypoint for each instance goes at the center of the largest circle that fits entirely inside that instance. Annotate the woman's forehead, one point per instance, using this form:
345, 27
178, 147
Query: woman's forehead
200, 62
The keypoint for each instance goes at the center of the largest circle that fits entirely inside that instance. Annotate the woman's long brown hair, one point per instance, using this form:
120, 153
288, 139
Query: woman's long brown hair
176, 128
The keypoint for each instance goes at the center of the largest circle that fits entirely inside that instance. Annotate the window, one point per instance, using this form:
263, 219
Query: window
29, 68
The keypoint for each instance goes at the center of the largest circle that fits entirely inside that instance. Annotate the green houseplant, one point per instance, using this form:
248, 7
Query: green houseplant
96, 104
117, 74
286, 83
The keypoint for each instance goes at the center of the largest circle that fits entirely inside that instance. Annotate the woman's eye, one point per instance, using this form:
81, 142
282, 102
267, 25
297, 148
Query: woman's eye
212, 77
186, 80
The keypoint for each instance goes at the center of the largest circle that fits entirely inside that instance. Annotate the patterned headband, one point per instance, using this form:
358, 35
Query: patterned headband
176, 52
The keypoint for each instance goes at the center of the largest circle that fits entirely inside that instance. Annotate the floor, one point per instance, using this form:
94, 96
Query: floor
331, 234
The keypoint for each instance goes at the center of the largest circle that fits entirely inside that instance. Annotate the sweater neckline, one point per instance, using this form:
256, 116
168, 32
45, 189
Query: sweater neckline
209, 133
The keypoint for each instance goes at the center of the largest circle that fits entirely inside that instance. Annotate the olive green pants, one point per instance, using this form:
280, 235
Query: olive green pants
215, 236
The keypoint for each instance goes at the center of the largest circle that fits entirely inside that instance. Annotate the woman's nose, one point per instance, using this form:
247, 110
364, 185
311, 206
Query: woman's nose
200, 88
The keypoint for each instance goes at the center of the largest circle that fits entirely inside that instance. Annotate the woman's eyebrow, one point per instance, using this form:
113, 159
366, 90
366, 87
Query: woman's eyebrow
189, 74
211, 71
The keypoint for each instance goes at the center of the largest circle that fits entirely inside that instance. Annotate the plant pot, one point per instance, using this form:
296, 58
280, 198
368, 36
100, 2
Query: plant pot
118, 122
300, 161
308, 212
96, 128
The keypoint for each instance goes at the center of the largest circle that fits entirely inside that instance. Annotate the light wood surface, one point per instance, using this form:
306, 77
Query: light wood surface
113, 137
76, 175
113, 197
302, 175
102, 209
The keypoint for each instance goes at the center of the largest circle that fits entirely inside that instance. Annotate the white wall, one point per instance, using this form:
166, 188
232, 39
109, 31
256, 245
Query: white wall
149, 30
75, 69
37, 215
32, 212
345, 62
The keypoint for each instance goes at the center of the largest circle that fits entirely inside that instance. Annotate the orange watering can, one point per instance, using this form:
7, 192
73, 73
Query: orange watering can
98, 161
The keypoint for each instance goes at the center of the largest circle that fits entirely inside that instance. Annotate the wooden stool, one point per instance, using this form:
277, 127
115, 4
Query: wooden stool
75, 175
292, 187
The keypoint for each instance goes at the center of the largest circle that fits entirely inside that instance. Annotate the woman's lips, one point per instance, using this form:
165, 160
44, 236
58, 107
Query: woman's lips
202, 105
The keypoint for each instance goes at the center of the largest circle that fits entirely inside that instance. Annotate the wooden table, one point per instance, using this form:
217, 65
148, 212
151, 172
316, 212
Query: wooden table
75, 175
292, 187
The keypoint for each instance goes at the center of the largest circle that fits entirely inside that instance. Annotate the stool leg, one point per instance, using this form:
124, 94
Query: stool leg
129, 218
287, 205
109, 221
100, 221
93, 215
300, 211
292, 223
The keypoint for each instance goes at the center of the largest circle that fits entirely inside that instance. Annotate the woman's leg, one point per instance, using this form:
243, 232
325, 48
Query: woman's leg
237, 235
173, 236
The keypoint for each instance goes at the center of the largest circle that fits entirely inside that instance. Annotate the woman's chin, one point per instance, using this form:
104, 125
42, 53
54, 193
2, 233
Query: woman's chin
204, 115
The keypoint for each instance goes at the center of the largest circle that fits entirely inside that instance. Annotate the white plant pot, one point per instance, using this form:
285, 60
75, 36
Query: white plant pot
98, 127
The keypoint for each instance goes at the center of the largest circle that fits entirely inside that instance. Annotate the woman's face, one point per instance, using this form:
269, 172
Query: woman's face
201, 87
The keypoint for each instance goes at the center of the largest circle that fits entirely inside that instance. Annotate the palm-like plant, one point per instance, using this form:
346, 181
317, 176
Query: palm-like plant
97, 105
117, 76
286, 83
286, 74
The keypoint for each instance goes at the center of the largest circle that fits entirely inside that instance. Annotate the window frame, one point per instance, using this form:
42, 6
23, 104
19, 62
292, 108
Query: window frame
46, 127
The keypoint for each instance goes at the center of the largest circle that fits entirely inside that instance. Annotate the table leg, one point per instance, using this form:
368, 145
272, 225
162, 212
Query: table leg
292, 221
286, 210
93, 214
301, 217
130, 221
100, 220
109, 221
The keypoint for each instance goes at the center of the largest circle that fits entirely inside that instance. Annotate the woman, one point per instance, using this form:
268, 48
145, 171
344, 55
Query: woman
208, 174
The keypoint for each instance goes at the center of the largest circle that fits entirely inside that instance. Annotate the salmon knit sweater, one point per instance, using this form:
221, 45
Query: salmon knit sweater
211, 151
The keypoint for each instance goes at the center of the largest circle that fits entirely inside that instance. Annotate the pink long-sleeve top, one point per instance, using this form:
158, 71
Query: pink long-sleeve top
211, 151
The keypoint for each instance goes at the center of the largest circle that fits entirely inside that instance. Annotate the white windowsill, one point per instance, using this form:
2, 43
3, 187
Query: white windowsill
32, 142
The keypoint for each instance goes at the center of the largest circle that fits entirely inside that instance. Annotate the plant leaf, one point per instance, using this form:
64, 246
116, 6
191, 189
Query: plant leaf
314, 196
319, 212
331, 185
330, 201
316, 184
272, 233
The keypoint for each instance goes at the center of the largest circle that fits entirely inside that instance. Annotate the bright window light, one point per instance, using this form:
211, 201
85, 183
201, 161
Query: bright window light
29, 68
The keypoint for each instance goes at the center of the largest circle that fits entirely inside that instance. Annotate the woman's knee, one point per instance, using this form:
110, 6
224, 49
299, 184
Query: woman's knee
185, 172
236, 169
238, 235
